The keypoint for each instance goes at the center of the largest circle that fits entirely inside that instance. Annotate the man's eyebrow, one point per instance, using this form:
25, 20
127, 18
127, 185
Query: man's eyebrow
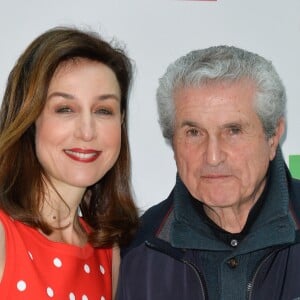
237, 124
189, 123
72, 97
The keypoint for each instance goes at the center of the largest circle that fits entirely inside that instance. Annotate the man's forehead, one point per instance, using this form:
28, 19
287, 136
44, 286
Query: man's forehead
210, 97
209, 86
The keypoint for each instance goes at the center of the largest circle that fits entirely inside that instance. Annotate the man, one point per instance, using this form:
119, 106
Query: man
229, 228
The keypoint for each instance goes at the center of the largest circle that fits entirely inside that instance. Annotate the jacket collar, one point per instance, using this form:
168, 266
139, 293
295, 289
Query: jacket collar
187, 230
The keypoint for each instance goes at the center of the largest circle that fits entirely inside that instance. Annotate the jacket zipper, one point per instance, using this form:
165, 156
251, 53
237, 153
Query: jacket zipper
188, 263
199, 275
250, 285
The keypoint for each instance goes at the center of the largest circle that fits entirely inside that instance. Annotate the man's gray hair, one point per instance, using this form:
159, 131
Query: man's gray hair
218, 64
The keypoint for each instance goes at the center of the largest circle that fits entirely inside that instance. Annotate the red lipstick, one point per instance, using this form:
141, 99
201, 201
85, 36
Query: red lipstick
82, 155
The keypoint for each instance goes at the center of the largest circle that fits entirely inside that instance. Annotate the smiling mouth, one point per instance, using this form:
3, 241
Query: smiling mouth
83, 155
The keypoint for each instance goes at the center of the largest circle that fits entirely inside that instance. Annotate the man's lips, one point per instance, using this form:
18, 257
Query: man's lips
215, 176
83, 155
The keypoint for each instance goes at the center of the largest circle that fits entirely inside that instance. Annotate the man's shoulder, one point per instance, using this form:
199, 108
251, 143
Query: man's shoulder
294, 193
296, 184
150, 223
294, 189
155, 214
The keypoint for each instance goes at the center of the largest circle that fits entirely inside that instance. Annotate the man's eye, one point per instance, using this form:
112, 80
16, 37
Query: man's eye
234, 130
64, 109
192, 132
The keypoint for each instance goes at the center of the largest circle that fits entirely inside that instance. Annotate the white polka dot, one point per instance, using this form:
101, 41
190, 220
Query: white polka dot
102, 298
85, 297
57, 262
72, 296
21, 285
102, 270
87, 268
50, 292
30, 255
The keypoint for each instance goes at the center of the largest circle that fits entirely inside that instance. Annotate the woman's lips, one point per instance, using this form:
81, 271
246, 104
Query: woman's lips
83, 155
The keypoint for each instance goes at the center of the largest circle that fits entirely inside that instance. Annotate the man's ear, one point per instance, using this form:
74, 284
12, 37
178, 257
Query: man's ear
275, 139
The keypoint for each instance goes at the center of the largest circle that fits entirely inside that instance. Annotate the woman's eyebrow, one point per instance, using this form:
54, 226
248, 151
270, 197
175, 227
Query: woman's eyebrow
72, 97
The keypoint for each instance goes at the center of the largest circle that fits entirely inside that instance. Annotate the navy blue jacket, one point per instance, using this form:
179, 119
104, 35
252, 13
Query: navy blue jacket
152, 269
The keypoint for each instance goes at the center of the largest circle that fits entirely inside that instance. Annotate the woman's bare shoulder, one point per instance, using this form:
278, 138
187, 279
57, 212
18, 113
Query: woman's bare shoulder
2, 249
115, 268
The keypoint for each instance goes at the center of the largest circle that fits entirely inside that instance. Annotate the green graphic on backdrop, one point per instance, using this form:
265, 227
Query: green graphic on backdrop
294, 165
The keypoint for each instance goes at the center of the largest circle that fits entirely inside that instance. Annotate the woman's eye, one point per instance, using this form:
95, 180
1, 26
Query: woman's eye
64, 109
104, 111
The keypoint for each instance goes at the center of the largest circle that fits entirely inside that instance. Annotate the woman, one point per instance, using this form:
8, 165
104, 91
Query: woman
64, 149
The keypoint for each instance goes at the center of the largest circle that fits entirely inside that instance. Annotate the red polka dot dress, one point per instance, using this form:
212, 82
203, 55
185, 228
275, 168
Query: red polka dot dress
37, 269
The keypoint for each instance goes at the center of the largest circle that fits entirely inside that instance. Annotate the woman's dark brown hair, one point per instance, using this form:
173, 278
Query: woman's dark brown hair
107, 205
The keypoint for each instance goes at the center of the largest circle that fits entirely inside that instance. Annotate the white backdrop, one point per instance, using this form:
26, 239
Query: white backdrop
155, 33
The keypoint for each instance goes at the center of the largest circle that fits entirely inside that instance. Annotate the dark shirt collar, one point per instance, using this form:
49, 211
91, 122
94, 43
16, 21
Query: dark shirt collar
269, 216
224, 235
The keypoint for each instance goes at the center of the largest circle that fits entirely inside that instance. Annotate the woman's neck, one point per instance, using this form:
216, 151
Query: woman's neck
60, 211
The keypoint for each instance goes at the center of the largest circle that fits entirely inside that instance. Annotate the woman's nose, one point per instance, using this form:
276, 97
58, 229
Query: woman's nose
85, 127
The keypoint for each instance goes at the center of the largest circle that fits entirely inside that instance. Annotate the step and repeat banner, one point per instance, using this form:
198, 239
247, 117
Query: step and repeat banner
155, 33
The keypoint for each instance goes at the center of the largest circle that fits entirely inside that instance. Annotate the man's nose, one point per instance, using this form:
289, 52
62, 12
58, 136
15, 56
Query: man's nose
214, 151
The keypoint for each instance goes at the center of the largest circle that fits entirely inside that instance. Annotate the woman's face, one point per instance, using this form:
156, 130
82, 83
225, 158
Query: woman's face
78, 134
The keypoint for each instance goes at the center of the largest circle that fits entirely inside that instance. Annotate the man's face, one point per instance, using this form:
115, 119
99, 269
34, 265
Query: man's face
221, 151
